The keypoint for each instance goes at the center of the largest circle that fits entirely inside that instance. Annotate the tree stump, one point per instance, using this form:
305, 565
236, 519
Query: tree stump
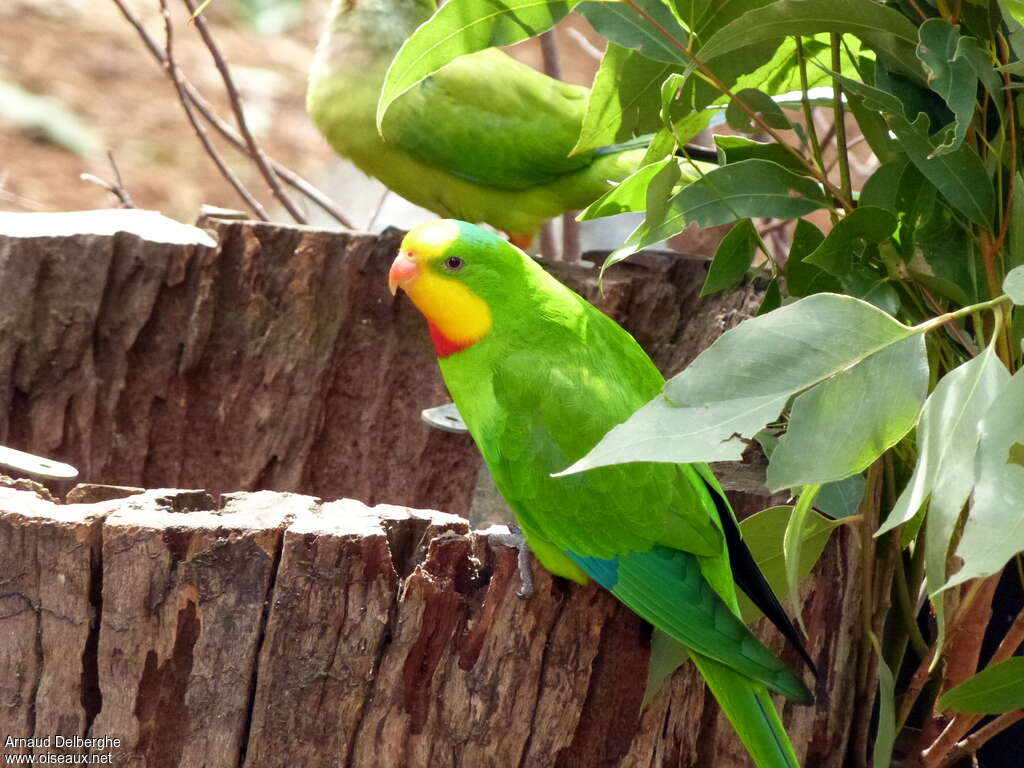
217, 627
262, 356
272, 629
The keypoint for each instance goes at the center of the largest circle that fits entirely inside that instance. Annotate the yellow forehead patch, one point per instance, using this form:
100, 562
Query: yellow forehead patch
430, 240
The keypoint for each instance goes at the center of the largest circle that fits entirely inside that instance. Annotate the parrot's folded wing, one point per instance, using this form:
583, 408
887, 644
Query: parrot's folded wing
666, 587
492, 120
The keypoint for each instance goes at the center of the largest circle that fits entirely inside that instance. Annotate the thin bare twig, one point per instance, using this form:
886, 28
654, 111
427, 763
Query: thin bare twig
236, 107
171, 66
203, 107
585, 45
974, 742
116, 188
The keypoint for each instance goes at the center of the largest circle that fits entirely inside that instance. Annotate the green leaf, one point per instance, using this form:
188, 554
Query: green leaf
733, 258
884, 29
460, 27
952, 78
841, 498
892, 186
803, 278
865, 224
743, 381
872, 287
996, 689
624, 100
947, 439
885, 737
760, 103
763, 533
628, 196
1015, 245
792, 544
771, 300
623, 25
735, 149
751, 188
994, 529
959, 175
48, 116
872, 404
1013, 285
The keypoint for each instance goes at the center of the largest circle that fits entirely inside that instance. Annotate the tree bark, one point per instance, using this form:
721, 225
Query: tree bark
271, 629
275, 360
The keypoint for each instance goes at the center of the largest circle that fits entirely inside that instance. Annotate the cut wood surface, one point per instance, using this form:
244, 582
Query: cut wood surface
273, 629
252, 356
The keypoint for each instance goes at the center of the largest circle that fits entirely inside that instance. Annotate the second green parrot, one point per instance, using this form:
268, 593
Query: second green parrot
485, 139
539, 376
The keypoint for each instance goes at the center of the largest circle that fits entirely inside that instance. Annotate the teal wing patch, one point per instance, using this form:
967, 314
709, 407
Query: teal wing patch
666, 587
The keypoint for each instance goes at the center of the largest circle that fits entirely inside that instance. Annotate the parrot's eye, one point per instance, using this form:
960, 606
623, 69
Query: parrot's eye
454, 263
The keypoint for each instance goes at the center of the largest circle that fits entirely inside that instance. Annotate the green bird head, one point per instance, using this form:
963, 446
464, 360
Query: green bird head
465, 280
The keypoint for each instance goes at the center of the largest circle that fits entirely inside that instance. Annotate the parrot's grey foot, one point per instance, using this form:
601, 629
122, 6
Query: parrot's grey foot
444, 417
515, 538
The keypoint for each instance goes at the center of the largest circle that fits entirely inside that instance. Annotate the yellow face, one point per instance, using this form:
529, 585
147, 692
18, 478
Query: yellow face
426, 271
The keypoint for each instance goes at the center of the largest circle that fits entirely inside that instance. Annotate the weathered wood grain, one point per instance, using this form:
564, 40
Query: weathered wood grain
276, 360
271, 629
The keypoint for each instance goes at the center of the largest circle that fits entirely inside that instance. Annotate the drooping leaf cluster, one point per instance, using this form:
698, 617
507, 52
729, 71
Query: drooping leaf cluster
882, 375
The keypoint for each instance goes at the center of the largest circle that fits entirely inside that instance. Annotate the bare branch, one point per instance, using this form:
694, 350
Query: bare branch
116, 187
976, 740
204, 108
236, 106
171, 66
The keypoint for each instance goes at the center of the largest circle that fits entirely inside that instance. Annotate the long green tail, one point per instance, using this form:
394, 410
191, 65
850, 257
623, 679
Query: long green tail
751, 712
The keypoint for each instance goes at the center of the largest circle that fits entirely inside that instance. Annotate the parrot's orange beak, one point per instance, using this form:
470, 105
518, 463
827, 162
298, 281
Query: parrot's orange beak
403, 271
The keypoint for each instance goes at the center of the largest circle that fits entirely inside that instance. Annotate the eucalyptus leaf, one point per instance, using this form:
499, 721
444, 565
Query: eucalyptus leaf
1013, 285
841, 498
994, 690
623, 101
950, 76
735, 149
865, 224
629, 195
803, 278
885, 737
743, 381
884, 29
732, 259
763, 533
50, 117
465, 26
945, 471
759, 102
872, 405
624, 25
750, 188
792, 546
994, 529
959, 175
771, 300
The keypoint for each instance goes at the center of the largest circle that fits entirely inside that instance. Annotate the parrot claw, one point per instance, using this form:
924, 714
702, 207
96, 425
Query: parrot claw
515, 538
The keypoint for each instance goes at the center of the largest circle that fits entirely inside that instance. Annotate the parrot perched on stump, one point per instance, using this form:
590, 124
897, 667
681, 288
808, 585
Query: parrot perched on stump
486, 138
539, 376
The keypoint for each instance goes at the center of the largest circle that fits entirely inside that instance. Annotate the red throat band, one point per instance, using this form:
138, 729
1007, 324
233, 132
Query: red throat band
443, 345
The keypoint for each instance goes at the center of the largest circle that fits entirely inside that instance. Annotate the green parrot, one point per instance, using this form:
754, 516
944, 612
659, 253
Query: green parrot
539, 376
486, 138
